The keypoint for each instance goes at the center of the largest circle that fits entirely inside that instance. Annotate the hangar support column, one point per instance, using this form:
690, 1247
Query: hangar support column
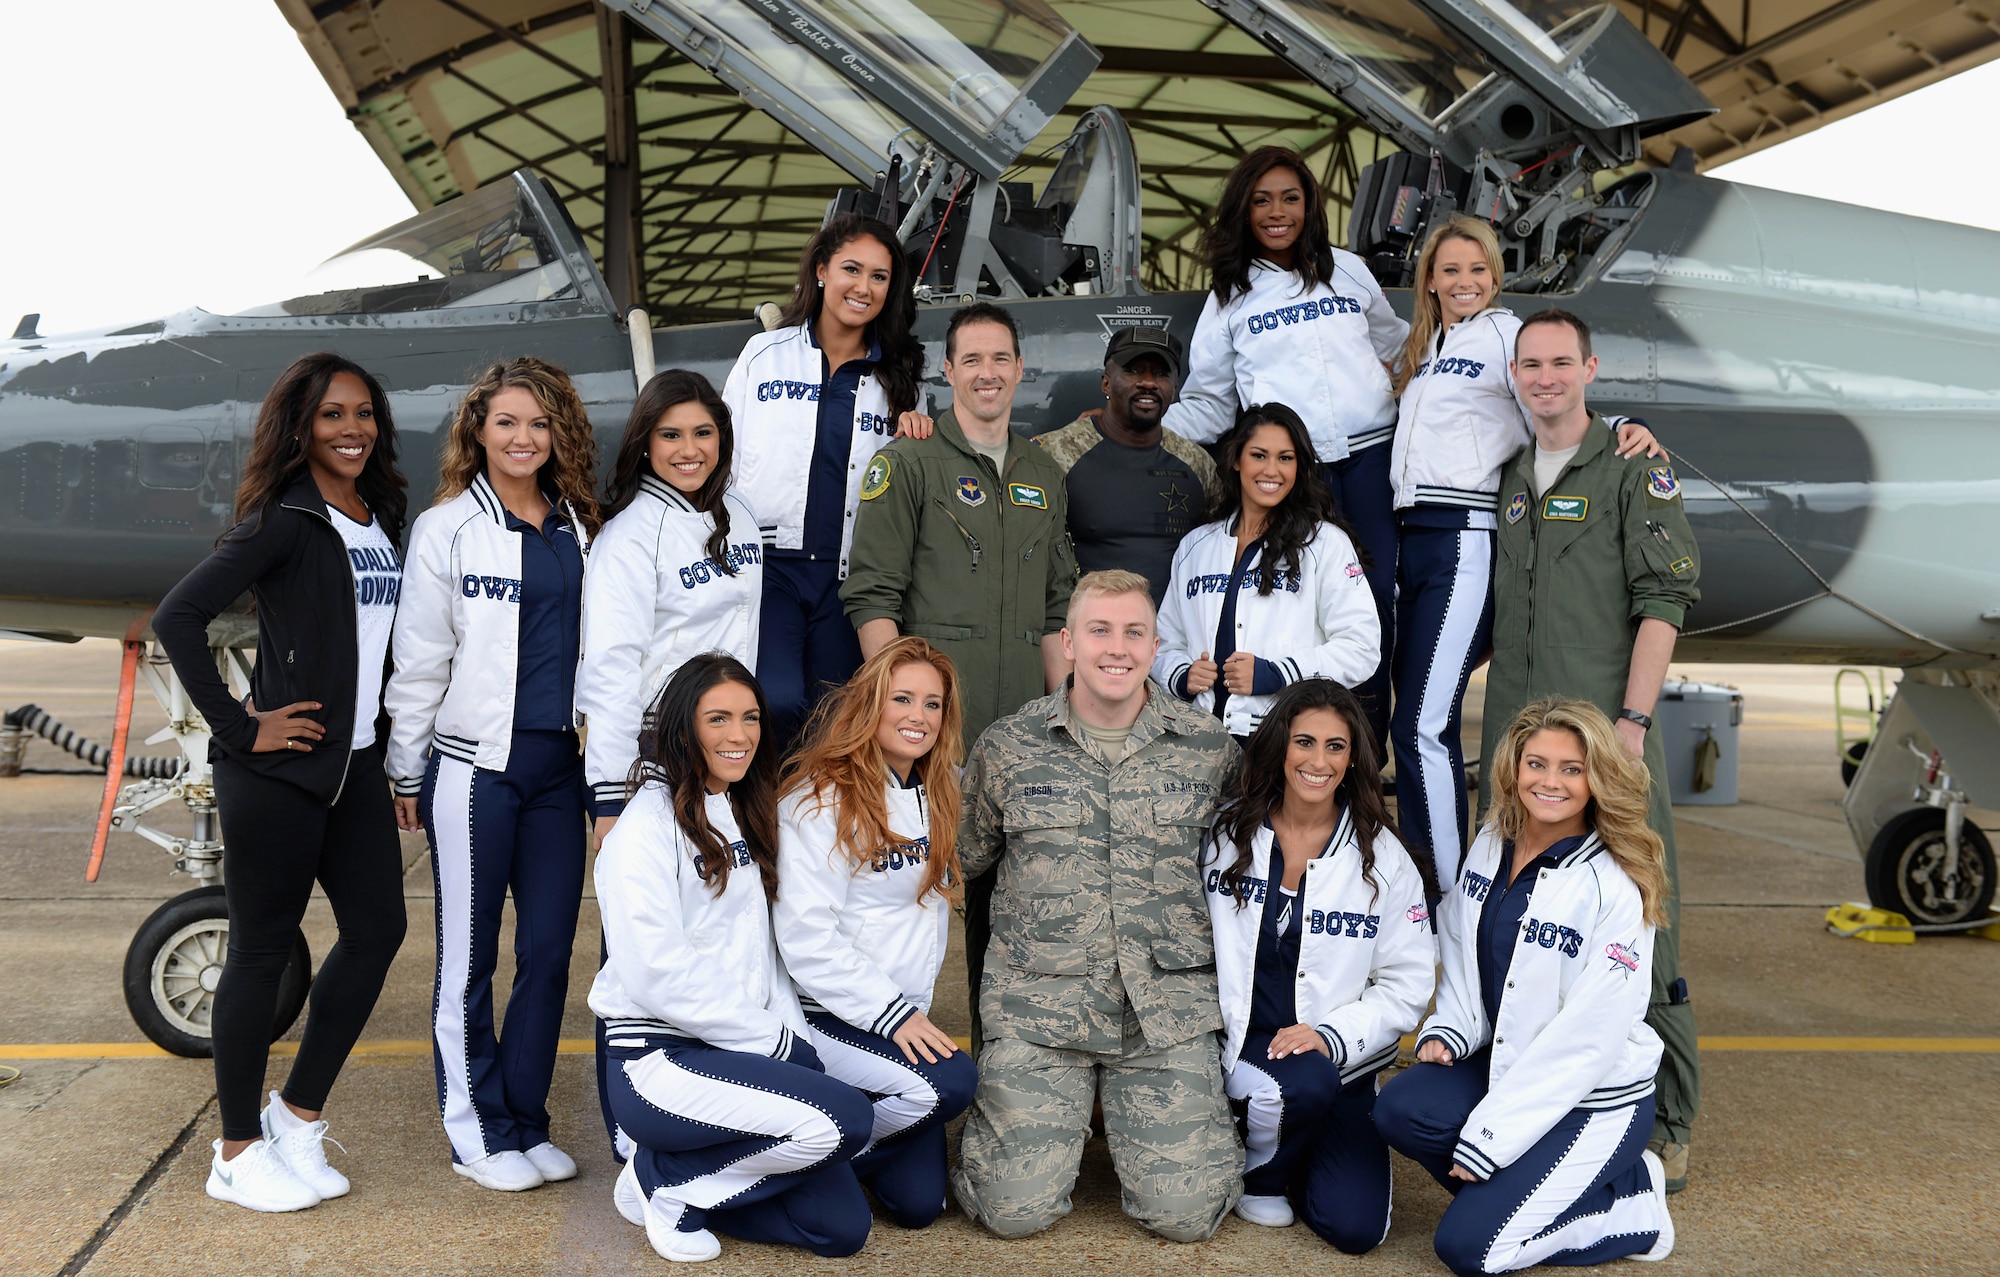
623, 268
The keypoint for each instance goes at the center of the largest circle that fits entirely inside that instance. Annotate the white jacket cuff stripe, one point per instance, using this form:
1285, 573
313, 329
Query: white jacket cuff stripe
892, 1017
1472, 1159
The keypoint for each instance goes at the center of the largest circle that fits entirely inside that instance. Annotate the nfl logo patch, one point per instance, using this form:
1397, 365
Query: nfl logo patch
1516, 507
1353, 570
969, 490
1662, 484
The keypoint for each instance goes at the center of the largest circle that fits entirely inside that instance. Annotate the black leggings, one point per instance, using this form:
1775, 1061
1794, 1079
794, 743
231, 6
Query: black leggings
277, 840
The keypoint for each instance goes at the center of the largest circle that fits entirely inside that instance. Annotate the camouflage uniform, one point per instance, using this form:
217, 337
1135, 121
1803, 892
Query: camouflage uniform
1577, 569
1101, 969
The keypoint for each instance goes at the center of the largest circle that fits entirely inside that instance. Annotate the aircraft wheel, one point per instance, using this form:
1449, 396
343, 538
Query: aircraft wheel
1850, 760
1906, 870
175, 963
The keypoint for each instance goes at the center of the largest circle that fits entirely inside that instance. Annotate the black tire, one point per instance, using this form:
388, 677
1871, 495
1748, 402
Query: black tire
1850, 761
174, 962
1904, 862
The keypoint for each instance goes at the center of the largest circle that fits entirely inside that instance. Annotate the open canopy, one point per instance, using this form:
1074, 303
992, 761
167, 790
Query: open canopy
664, 139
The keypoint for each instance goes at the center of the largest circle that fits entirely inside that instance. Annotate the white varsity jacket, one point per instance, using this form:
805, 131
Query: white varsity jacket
653, 598
1319, 621
1367, 958
855, 941
679, 957
773, 397
1572, 1026
1320, 354
1461, 419
457, 636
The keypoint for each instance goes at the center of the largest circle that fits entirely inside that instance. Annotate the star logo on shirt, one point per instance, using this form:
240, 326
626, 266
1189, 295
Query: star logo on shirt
1176, 499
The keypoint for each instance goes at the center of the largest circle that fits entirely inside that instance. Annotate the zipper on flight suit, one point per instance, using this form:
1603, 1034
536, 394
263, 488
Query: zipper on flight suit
971, 541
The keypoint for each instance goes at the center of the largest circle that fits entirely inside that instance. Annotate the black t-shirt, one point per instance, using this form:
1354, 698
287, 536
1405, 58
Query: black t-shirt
1129, 507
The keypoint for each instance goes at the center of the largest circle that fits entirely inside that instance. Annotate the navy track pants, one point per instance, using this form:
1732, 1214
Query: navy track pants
1363, 496
757, 1148
1313, 1140
492, 834
1580, 1195
1444, 623
904, 1160
805, 643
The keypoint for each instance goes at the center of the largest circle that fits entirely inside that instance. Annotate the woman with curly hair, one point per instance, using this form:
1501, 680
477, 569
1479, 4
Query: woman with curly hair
813, 399
484, 752
298, 765
1291, 319
867, 851
1532, 1096
1324, 958
1272, 590
736, 1126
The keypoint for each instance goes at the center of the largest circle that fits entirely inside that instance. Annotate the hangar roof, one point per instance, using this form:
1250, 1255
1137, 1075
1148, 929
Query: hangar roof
454, 93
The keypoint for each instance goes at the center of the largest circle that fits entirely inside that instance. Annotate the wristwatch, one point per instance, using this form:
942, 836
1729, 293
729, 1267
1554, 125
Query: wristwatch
1643, 720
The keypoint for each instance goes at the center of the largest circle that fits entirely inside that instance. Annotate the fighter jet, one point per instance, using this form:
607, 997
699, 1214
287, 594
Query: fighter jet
1823, 374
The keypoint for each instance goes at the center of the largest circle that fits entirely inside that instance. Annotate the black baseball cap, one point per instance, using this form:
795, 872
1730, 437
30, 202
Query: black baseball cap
1128, 344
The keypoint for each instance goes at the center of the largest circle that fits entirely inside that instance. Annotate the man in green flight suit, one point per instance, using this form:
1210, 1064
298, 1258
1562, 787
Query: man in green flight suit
1595, 571
962, 540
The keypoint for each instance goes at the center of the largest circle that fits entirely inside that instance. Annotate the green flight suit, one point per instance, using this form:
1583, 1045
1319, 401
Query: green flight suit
1576, 570
980, 565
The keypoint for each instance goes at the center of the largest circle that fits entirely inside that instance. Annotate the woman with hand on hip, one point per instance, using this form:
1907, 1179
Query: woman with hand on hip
1460, 421
736, 1126
1270, 592
299, 785
1291, 319
867, 852
1532, 1096
1324, 958
485, 755
813, 399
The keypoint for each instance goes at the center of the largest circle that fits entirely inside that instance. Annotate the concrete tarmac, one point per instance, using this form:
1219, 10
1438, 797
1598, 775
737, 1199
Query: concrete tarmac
1851, 1090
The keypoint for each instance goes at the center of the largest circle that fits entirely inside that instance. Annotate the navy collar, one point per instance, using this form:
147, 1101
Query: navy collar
874, 355
666, 493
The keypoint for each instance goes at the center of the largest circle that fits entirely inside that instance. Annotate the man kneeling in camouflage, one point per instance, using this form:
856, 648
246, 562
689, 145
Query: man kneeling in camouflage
1100, 979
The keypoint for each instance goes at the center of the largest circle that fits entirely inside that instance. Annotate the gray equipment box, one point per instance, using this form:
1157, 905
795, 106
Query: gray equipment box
1688, 715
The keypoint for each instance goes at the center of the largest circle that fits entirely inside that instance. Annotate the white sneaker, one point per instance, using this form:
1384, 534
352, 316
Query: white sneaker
1271, 1212
256, 1178
628, 1197
663, 1217
1656, 1171
301, 1146
554, 1164
508, 1171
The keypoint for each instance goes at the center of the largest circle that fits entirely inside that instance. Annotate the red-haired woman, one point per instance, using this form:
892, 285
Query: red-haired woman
867, 852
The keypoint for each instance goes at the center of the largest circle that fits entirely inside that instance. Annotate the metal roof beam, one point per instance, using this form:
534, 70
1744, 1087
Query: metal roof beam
522, 41
437, 62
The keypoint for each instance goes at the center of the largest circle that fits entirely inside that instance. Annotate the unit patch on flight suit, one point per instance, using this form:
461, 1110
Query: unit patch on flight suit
1517, 505
969, 490
1029, 495
1571, 509
875, 480
1662, 484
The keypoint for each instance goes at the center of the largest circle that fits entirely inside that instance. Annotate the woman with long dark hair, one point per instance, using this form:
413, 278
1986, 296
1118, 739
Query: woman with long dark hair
868, 851
736, 1126
485, 755
1324, 958
1292, 319
298, 765
1532, 1096
678, 569
812, 400
1271, 591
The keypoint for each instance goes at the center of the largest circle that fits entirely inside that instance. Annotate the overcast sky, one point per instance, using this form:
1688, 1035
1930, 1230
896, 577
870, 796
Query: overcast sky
163, 155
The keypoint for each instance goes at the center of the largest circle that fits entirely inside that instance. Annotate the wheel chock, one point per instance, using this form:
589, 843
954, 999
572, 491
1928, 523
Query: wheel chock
1879, 926
1991, 931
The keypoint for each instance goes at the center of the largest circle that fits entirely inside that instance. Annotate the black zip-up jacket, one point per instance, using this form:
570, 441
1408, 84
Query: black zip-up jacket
296, 568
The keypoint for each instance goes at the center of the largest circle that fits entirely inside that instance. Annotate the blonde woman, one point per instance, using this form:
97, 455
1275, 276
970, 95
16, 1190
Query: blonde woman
484, 750
1459, 422
1532, 1096
867, 852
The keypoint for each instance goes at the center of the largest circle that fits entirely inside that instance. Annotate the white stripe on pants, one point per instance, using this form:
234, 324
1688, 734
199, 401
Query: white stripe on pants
1266, 1101
1517, 1244
806, 1136
1450, 665
451, 839
907, 1097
